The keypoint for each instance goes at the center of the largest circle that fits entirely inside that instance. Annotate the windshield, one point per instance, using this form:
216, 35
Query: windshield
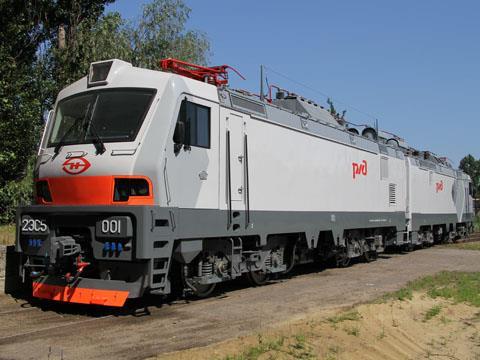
114, 115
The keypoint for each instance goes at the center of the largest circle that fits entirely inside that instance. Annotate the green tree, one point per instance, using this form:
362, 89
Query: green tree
95, 39
20, 109
28, 28
27, 31
471, 166
47, 44
159, 33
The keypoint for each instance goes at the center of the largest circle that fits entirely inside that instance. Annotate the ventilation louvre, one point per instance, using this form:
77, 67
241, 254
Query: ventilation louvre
392, 194
245, 104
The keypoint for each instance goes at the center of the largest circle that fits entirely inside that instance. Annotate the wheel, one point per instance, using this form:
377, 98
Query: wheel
342, 259
257, 278
454, 239
203, 291
369, 256
198, 290
408, 247
291, 259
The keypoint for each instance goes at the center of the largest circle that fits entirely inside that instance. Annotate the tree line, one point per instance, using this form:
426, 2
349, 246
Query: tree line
47, 44
471, 166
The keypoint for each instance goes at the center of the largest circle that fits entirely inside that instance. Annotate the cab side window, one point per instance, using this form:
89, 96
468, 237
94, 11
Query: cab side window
193, 125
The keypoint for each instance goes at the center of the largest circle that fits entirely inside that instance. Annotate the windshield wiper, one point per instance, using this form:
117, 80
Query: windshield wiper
97, 142
90, 128
61, 142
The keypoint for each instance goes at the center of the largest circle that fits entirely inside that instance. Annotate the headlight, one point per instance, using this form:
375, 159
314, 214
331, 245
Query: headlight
99, 72
126, 187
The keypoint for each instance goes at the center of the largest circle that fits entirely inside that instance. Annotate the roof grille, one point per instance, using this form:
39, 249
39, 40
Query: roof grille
249, 105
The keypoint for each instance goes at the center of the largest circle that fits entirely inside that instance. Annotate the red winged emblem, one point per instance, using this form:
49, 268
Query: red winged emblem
75, 166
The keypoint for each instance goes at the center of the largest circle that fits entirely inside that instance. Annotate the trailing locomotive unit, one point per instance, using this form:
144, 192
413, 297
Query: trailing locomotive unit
146, 179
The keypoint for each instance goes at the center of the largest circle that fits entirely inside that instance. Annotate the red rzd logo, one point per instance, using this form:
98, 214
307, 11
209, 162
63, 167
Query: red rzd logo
439, 186
359, 169
75, 166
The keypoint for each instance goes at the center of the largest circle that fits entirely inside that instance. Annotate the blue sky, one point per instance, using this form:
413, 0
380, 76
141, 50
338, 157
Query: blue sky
414, 65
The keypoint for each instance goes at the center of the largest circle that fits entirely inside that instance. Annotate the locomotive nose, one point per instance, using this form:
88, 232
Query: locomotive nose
94, 190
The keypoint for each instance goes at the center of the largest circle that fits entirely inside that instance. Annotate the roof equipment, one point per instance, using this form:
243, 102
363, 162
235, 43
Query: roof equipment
215, 75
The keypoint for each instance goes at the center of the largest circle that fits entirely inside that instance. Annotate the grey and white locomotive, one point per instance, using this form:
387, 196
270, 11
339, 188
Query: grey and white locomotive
148, 179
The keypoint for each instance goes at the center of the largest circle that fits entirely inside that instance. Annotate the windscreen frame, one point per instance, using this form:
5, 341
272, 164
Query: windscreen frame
153, 92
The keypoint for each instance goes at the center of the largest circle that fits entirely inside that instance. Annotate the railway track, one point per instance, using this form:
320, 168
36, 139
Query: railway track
60, 316
56, 327
149, 328
10, 312
37, 319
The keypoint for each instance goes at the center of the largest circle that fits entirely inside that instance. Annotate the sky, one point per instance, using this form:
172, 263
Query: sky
413, 65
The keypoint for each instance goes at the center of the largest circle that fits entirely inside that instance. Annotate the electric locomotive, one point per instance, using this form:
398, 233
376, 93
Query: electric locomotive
146, 180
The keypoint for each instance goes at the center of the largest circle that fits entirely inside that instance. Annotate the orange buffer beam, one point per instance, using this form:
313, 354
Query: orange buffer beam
80, 295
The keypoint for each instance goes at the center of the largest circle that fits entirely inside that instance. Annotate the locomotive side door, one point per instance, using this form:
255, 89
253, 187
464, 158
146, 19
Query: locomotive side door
236, 167
193, 167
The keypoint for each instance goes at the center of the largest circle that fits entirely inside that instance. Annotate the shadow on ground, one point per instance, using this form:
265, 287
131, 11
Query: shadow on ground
143, 306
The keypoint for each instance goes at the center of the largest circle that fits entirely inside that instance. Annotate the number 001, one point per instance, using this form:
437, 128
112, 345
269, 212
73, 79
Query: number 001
111, 227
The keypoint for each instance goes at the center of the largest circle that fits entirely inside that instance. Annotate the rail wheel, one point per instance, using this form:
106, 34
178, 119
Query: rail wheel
408, 247
203, 291
198, 290
342, 259
257, 278
289, 257
369, 256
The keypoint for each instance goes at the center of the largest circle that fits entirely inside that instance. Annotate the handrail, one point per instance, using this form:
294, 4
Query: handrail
247, 184
229, 182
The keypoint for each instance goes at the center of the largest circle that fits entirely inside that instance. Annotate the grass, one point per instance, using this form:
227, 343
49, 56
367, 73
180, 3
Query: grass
455, 286
354, 330
476, 222
466, 246
7, 234
445, 320
432, 312
405, 293
350, 315
382, 334
296, 346
333, 352
256, 351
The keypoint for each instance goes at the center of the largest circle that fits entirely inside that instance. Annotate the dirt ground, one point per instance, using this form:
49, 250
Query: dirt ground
33, 330
392, 330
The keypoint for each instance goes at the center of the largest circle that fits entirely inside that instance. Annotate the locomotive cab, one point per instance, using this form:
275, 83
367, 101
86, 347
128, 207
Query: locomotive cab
101, 182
